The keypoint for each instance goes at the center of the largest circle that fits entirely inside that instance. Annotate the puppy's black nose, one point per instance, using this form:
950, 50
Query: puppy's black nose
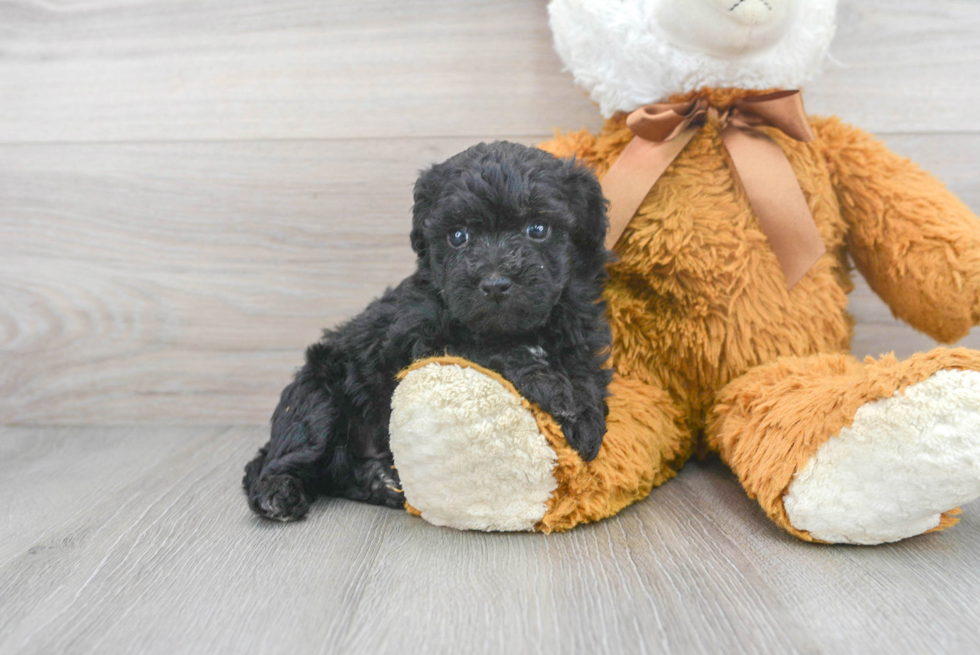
495, 288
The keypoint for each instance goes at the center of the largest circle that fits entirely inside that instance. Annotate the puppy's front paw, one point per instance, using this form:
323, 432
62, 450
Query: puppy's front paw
552, 392
376, 481
584, 433
279, 497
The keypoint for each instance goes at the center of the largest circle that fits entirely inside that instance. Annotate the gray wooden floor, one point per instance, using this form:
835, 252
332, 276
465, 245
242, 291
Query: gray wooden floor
137, 540
190, 191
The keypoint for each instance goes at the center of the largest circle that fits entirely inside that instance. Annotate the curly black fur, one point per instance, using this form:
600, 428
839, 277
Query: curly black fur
520, 295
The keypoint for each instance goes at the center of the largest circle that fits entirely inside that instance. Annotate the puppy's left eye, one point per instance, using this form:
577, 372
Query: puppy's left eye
458, 238
538, 231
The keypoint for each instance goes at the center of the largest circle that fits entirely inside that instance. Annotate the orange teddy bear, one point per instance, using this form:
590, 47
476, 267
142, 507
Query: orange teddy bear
728, 335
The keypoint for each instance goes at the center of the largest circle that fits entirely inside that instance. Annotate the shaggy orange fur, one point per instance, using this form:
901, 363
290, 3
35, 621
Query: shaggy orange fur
915, 242
697, 299
644, 447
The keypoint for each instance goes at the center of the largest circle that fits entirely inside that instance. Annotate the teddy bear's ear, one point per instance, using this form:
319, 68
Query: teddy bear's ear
587, 203
426, 193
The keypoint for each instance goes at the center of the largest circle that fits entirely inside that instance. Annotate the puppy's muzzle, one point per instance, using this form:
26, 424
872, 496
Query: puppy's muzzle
496, 288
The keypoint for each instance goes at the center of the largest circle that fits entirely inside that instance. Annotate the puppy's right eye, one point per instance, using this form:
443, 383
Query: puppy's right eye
458, 238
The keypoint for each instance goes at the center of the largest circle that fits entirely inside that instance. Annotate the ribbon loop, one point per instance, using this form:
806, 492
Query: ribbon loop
661, 132
665, 121
782, 110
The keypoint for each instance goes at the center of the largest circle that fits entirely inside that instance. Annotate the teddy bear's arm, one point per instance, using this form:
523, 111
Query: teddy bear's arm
580, 144
915, 242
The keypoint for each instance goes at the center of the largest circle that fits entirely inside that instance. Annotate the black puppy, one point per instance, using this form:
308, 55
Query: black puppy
509, 275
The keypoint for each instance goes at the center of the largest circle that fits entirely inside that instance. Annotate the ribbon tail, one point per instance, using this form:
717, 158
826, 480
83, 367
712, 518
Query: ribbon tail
630, 178
777, 200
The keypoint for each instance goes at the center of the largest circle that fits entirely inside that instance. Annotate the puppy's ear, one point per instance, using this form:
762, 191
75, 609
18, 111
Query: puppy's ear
588, 204
426, 193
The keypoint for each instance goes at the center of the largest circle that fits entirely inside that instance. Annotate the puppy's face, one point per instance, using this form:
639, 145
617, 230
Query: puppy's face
505, 230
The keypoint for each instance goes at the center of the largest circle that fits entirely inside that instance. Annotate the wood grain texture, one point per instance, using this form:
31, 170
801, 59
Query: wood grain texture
167, 558
223, 69
902, 67
147, 70
182, 282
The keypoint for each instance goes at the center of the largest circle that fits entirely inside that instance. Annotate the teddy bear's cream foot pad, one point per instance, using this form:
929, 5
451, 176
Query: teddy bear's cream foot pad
469, 453
902, 463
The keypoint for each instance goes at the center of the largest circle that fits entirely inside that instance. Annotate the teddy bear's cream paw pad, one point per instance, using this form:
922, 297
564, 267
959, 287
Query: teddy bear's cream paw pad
469, 454
903, 462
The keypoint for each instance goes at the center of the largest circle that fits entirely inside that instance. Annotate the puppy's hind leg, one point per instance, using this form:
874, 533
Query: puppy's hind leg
275, 488
287, 473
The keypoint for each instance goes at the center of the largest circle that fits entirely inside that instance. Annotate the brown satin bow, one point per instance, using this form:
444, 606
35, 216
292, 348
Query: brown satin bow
662, 130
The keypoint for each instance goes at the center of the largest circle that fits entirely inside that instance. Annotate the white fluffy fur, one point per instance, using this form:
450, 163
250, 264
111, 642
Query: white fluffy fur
904, 461
634, 52
470, 456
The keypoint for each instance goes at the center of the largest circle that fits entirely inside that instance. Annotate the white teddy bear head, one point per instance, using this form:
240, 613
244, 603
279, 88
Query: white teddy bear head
629, 53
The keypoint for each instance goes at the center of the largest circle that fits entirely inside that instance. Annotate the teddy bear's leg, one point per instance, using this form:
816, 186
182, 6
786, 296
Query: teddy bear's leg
840, 451
473, 454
